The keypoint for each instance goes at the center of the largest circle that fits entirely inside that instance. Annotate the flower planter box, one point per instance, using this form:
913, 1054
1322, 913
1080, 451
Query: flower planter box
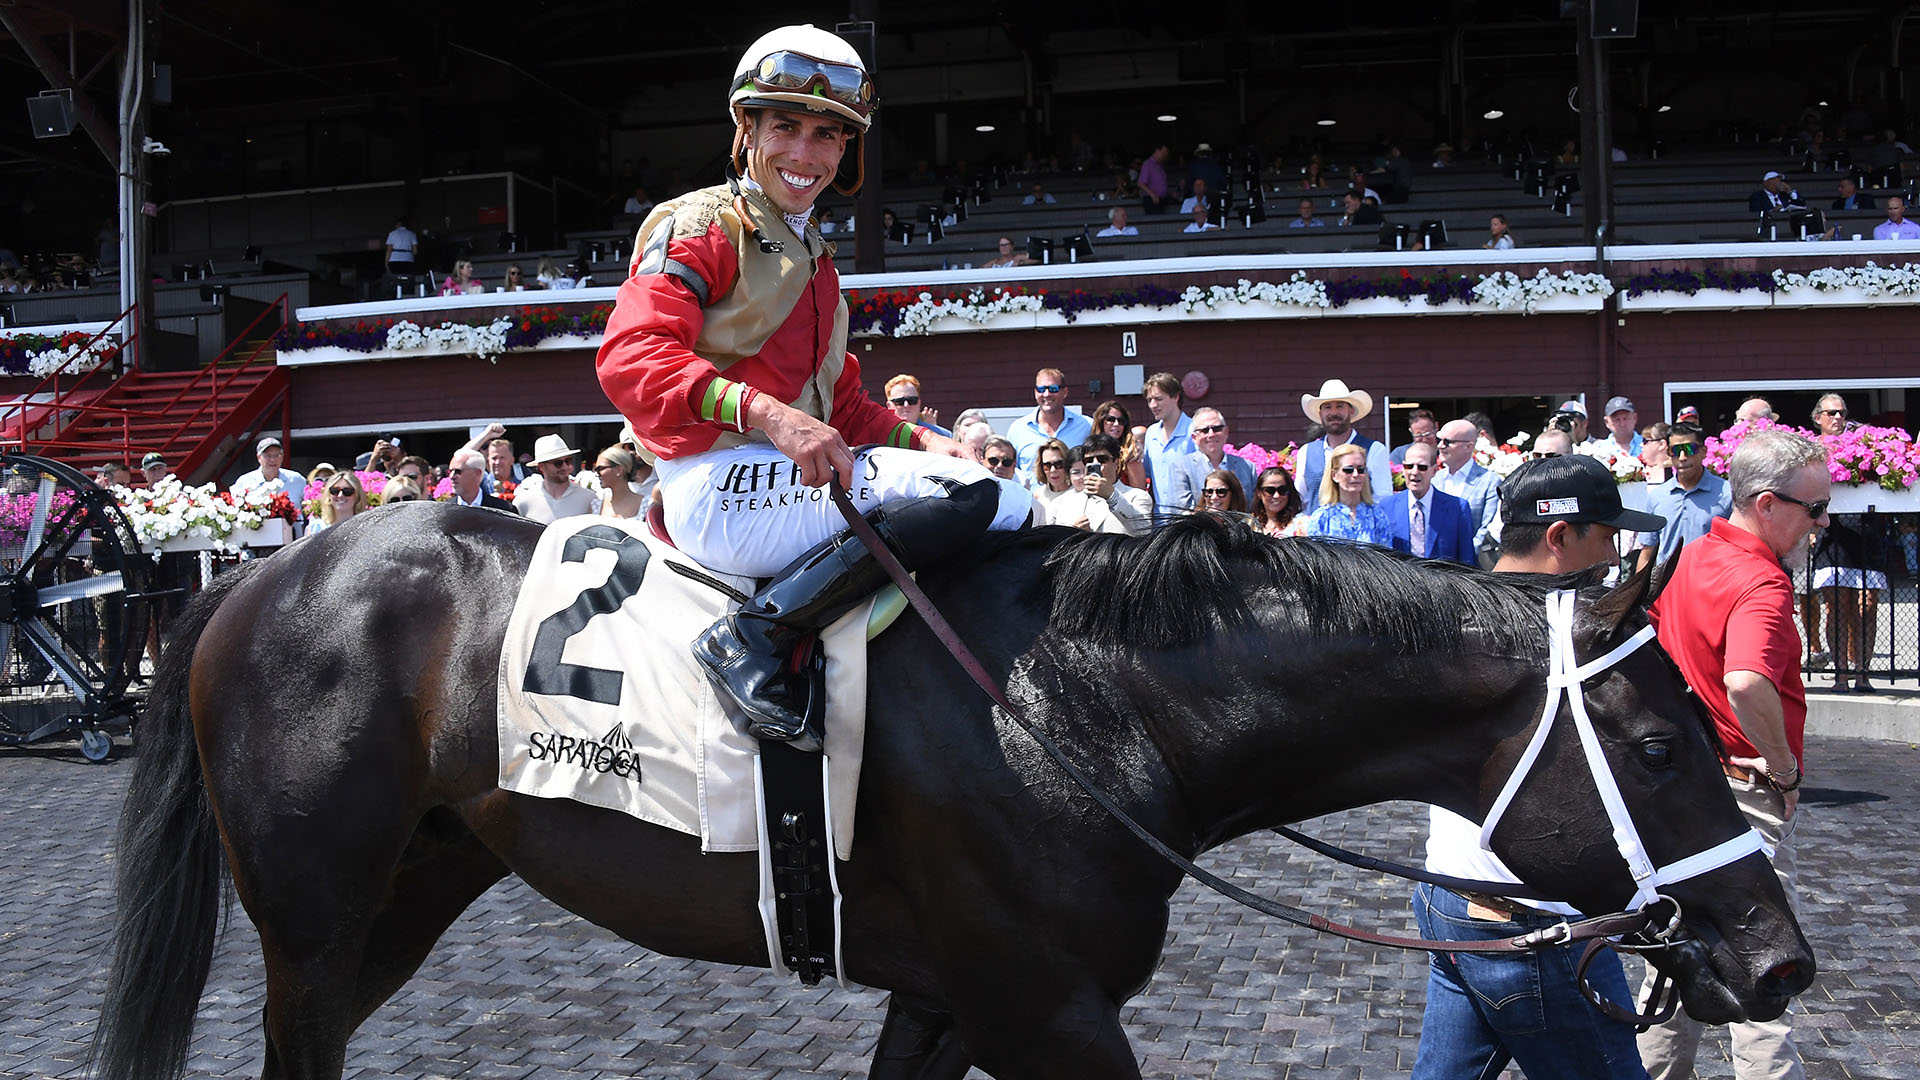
1859, 498
275, 533
1704, 300
1005, 320
1234, 310
1392, 305
1851, 296
1567, 303
332, 354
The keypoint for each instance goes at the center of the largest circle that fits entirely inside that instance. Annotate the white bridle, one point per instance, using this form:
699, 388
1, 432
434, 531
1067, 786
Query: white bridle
1562, 674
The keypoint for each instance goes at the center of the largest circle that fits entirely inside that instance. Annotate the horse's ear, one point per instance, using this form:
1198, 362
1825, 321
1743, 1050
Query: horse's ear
1662, 574
1627, 596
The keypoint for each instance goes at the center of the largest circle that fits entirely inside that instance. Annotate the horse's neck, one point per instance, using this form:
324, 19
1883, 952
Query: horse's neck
1386, 733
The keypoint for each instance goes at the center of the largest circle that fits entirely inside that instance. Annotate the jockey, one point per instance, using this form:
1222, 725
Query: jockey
726, 352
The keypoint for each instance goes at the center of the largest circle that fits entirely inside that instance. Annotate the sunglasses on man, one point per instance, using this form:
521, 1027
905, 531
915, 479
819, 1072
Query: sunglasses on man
903, 401
994, 462
1050, 388
1816, 509
1209, 429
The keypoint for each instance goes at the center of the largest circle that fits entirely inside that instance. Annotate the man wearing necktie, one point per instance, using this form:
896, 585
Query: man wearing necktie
1425, 520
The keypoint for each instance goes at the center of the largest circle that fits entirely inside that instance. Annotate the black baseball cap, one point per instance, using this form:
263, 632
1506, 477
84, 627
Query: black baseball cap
1575, 489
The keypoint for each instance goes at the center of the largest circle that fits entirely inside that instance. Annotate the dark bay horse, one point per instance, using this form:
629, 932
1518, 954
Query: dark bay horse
324, 725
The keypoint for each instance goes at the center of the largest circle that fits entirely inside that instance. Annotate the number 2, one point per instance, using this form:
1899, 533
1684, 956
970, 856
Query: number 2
546, 672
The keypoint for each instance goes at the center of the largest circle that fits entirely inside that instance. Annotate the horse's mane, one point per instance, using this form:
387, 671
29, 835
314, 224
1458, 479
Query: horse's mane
1198, 575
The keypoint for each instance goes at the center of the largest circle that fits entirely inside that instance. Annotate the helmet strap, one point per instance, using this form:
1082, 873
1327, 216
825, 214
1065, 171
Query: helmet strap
736, 163
859, 152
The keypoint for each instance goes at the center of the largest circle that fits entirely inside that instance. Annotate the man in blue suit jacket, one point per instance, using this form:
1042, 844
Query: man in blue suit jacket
1462, 477
1447, 531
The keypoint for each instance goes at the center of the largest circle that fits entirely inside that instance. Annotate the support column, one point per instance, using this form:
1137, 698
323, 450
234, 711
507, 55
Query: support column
869, 235
136, 284
1596, 177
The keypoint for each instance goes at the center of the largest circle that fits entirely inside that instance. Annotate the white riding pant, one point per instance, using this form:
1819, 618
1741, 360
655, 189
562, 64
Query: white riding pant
744, 511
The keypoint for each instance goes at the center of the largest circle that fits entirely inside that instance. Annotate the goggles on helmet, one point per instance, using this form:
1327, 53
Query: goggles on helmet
792, 72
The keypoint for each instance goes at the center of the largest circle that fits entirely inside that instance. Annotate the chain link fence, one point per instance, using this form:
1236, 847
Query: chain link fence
1858, 593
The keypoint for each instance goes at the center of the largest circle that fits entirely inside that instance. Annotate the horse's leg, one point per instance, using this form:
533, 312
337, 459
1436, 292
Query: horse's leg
444, 871
1082, 1039
917, 1042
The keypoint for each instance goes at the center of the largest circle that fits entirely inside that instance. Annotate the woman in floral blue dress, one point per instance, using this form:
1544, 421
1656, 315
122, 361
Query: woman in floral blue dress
1347, 510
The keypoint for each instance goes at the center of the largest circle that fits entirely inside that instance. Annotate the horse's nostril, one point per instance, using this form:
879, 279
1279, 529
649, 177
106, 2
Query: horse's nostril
1784, 972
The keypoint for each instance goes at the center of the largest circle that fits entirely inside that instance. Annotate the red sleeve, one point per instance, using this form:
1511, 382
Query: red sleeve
1761, 635
647, 365
862, 420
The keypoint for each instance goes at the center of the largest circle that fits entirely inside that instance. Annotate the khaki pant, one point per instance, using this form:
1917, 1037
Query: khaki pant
1761, 1051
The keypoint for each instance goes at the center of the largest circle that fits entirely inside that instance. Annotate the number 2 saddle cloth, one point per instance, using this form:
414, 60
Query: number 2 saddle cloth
601, 701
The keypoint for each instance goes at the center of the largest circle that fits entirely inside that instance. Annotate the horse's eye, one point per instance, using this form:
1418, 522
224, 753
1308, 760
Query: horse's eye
1656, 755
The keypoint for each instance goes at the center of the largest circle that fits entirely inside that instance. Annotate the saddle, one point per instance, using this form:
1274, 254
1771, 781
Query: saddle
601, 702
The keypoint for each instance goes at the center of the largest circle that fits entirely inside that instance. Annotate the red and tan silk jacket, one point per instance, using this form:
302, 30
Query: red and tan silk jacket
723, 302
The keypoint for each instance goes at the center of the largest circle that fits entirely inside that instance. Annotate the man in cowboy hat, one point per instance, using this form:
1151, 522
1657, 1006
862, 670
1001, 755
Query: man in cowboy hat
727, 353
556, 496
1337, 409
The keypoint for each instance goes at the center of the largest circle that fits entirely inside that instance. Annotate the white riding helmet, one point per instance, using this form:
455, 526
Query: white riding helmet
803, 67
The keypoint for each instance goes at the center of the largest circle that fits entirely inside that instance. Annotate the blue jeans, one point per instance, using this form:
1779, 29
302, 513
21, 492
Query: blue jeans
1485, 1011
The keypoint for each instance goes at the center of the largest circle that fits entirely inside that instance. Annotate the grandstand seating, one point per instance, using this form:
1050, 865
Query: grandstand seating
1691, 196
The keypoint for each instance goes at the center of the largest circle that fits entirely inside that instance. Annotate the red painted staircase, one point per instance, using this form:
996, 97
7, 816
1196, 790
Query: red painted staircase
201, 420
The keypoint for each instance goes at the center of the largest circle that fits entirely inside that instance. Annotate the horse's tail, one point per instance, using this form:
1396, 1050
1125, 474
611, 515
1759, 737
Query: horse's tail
168, 882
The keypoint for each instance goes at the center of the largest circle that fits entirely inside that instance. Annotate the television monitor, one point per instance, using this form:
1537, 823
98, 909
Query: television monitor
1039, 249
1804, 222
1395, 235
1079, 246
1433, 234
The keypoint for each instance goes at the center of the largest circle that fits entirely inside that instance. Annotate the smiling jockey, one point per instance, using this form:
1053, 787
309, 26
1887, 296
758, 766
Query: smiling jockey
726, 351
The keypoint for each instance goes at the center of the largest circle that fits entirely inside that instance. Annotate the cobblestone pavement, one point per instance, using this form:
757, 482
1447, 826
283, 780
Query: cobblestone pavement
519, 988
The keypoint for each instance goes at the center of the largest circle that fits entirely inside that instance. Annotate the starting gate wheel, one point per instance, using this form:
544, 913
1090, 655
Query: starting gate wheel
73, 609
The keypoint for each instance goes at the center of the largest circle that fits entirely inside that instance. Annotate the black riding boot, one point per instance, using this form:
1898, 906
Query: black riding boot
759, 655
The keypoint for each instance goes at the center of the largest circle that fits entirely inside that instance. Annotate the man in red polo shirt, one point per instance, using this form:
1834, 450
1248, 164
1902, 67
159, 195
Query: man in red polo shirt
1727, 620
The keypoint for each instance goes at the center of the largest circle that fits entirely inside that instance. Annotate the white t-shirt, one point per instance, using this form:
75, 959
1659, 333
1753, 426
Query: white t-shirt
534, 504
402, 241
1453, 849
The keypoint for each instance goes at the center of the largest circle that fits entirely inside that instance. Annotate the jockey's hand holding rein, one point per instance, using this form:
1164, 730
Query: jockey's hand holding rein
817, 448
812, 444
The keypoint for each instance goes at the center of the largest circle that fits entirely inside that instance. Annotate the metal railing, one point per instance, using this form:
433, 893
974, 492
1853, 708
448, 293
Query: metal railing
67, 380
212, 375
216, 379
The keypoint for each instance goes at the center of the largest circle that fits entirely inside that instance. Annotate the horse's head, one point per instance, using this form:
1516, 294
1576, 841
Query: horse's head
1739, 953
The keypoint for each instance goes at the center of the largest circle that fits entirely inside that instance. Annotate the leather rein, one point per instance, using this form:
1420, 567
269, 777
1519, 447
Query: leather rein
1563, 933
